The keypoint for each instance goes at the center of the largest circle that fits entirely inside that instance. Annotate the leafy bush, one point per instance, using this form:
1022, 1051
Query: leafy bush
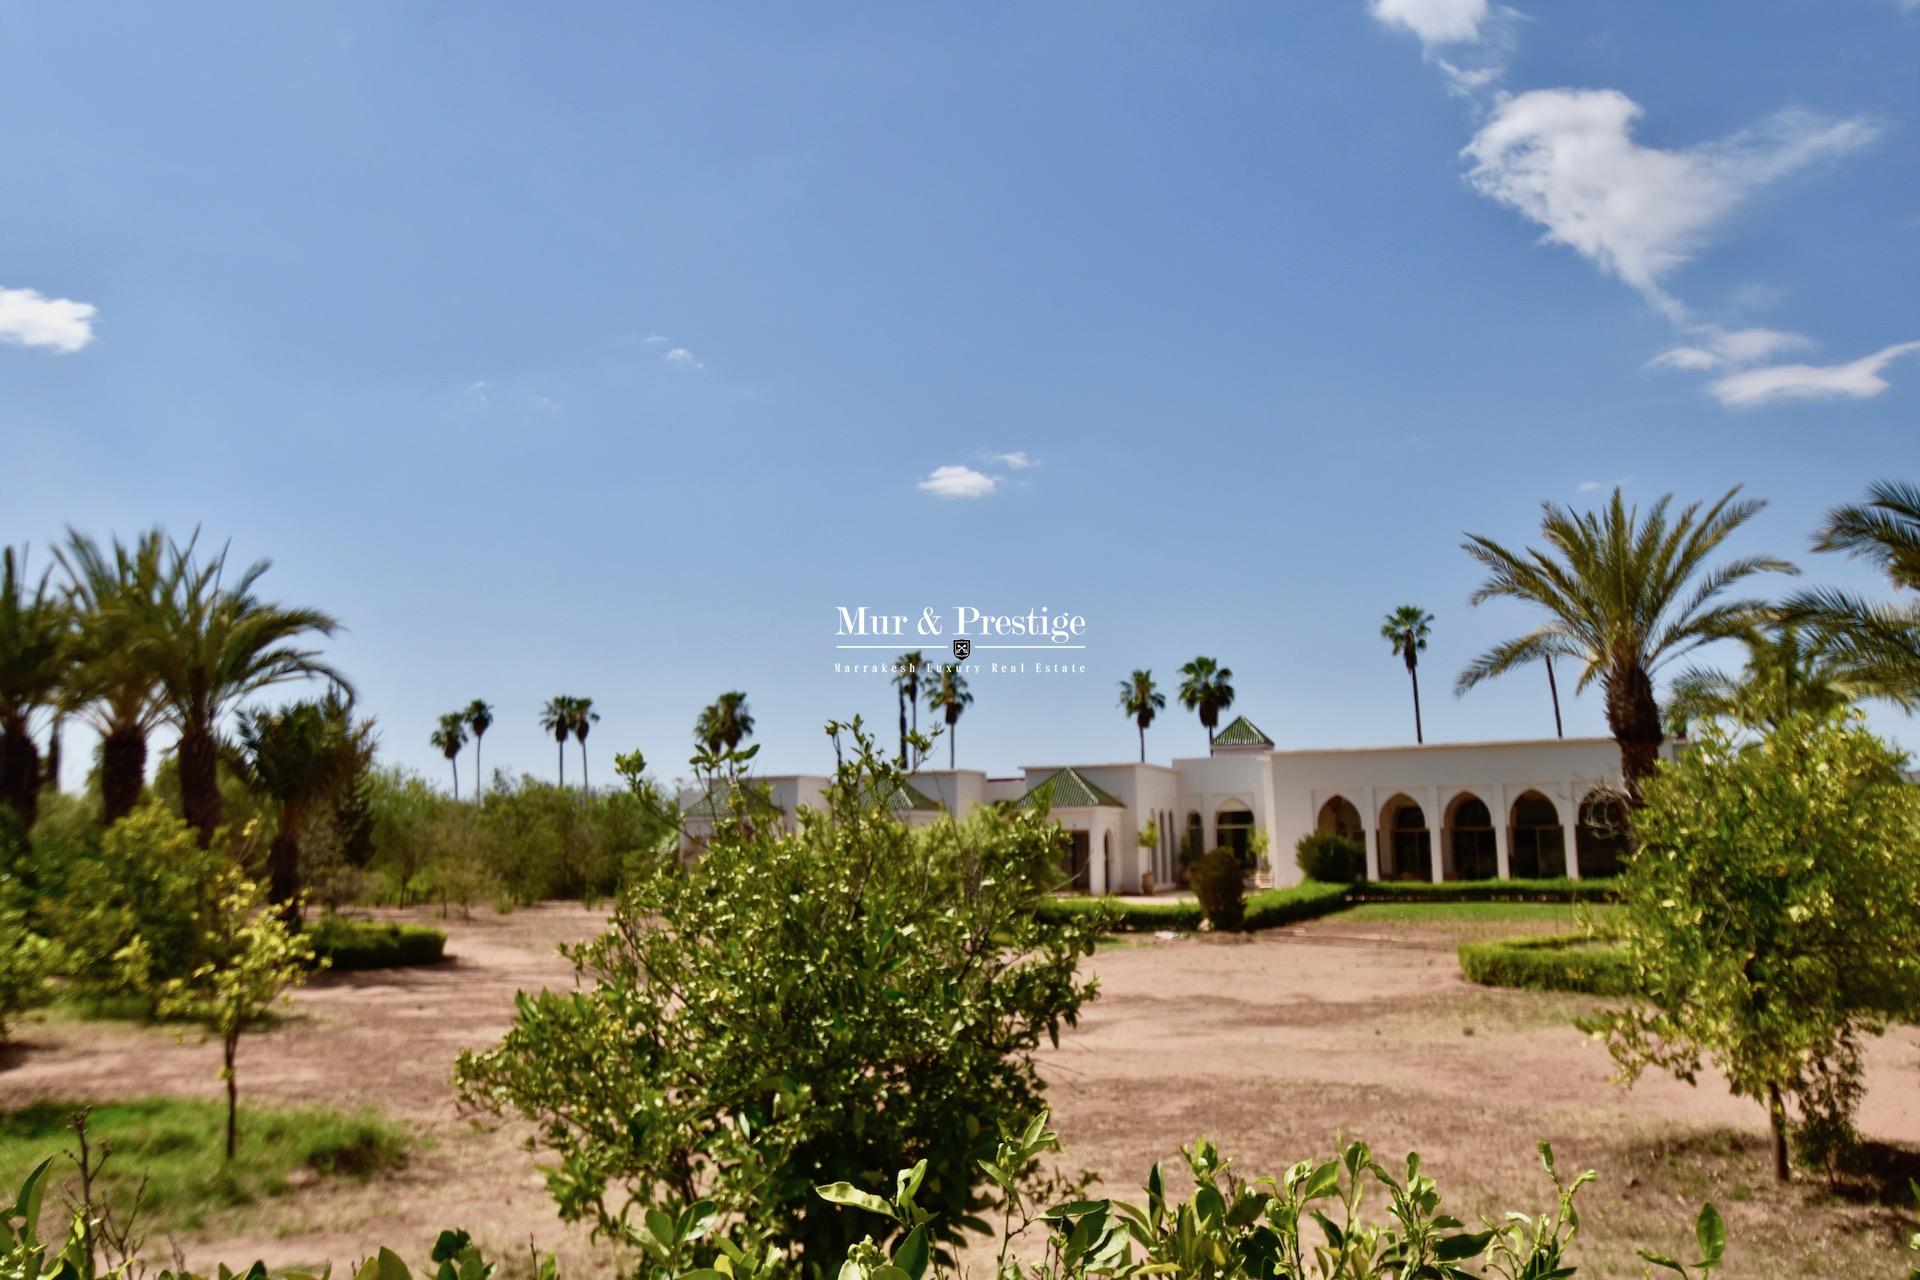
1310, 1222
25, 960
1548, 962
797, 1008
345, 944
1331, 857
1219, 883
1552, 890
1115, 916
1273, 907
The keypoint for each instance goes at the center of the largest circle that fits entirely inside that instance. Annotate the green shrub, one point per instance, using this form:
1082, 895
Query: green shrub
1331, 857
1272, 907
368, 944
1556, 890
797, 1008
1219, 882
1548, 962
1115, 916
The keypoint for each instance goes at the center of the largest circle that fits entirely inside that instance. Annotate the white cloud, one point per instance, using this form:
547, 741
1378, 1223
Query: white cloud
1776, 384
1015, 461
29, 318
1716, 348
684, 358
655, 339
958, 482
1434, 21
1567, 160
1588, 486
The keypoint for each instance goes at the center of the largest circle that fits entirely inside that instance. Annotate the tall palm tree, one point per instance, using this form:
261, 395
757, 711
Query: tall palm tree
726, 723
447, 739
298, 757
557, 719
479, 717
906, 681
1406, 629
949, 694
1206, 688
35, 649
1553, 691
584, 718
1623, 596
116, 592
1141, 700
1785, 672
1879, 642
211, 644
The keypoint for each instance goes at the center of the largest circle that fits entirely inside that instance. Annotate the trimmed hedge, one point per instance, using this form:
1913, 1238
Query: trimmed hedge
369, 944
1265, 909
1485, 891
1548, 962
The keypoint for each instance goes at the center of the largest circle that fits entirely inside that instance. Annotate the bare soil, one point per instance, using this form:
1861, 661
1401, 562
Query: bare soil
1271, 1045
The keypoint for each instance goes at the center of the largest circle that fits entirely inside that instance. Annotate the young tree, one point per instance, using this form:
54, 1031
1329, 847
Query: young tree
479, 719
447, 738
1406, 629
949, 695
255, 958
1207, 689
1623, 596
1772, 915
298, 757
1140, 699
795, 1010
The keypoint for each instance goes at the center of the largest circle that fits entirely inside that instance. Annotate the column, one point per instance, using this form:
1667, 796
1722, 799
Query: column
1502, 832
1435, 821
1370, 831
1569, 829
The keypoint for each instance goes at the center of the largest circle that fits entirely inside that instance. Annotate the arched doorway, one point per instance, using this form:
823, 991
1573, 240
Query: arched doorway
1339, 816
1406, 846
1233, 829
1193, 844
1601, 839
1470, 840
1538, 847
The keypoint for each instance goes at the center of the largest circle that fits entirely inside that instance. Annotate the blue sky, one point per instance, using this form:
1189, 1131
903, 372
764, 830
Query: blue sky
607, 354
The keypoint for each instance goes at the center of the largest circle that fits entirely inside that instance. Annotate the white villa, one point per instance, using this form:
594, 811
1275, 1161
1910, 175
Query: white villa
1442, 811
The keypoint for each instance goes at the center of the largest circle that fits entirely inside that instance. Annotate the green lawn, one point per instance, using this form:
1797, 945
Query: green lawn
177, 1145
1474, 918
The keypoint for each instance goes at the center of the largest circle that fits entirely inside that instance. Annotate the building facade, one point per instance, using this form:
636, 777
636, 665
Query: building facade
1441, 811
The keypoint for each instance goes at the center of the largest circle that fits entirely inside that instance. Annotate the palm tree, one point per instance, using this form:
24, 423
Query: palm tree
1553, 691
208, 646
1206, 689
1623, 595
116, 592
479, 717
1406, 629
35, 647
584, 718
1785, 673
726, 723
298, 757
448, 739
906, 680
557, 719
1878, 642
1141, 700
950, 695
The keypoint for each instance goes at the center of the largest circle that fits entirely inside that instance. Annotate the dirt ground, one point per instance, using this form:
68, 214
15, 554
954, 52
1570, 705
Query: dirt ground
1271, 1045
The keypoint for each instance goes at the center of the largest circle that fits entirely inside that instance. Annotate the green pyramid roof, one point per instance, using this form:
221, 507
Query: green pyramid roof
908, 796
1070, 791
1241, 733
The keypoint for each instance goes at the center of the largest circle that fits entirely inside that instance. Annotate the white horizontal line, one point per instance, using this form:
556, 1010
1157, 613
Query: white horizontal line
1029, 646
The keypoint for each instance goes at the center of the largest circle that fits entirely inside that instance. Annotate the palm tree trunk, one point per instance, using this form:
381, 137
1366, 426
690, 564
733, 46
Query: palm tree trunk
1143, 743
1419, 733
453, 767
1554, 689
477, 780
283, 871
1633, 715
1777, 1122
53, 755
230, 1051
19, 770
586, 783
563, 762
123, 772
901, 698
951, 726
200, 782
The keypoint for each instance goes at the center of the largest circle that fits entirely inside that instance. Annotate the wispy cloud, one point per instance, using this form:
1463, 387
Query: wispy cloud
1018, 460
1470, 41
1712, 347
1782, 383
1567, 160
958, 482
684, 358
28, 318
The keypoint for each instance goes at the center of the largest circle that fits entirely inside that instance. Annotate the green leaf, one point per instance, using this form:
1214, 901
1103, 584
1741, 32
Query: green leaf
1465, 1245
914, 1253
847, 1194
1661, 1260
1712, 1234
1323, 1182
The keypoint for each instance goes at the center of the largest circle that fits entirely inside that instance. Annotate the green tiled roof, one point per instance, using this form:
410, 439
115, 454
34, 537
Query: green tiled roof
1241, 733
1070, 791
911, 797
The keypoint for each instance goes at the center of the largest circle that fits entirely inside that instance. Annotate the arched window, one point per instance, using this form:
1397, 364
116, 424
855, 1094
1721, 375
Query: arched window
1601, 838
1407, 850
1233, 829
1470, 831
1538, 845
1339, 814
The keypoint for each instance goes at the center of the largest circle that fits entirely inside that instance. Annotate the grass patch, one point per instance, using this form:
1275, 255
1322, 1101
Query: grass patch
1476, 913
369, 944
177, 1145
1266, 908
1548, 962
1485, 891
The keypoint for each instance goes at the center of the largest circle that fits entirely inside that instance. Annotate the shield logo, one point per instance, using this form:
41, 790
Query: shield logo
962, 648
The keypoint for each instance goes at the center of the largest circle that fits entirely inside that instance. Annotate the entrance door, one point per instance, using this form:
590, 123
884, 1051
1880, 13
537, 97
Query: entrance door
1081, 869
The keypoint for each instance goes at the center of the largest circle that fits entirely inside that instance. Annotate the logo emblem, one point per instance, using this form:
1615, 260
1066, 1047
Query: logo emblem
962, 648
